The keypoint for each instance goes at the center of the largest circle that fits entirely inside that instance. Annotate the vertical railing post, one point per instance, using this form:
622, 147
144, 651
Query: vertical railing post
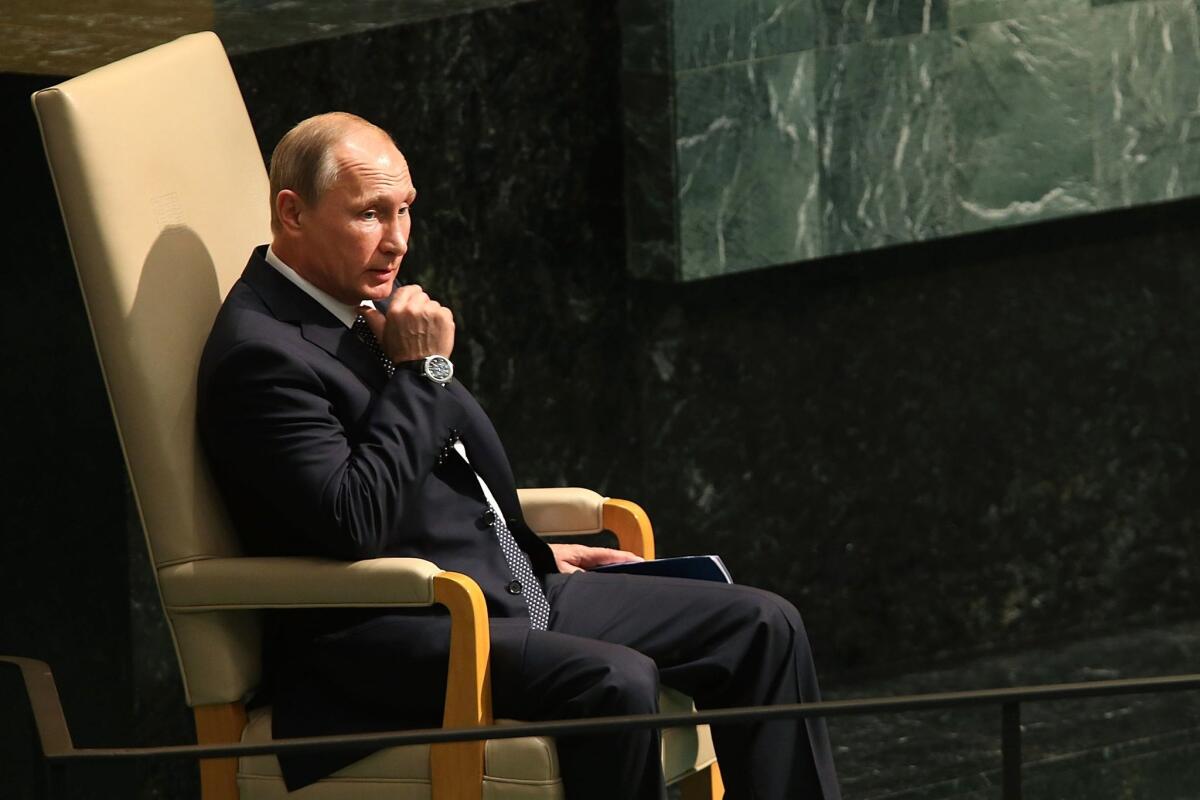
45, 777
50, 780
1010, 750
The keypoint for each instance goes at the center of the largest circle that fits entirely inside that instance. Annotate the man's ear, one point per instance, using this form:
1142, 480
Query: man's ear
288, 208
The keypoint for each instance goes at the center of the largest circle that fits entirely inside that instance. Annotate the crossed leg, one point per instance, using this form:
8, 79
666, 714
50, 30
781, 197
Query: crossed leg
724, 645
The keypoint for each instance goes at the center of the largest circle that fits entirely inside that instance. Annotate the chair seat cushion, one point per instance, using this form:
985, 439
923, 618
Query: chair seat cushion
684, 750
514, 769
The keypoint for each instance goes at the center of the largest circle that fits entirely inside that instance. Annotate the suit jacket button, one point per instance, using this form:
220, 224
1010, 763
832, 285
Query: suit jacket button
514, 587
488, 516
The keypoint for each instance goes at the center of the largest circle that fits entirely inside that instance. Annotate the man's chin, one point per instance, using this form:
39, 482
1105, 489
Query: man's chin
379, 287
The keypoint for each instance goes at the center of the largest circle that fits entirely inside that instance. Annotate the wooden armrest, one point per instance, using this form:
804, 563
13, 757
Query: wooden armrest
571, 511
221, 584
631, 525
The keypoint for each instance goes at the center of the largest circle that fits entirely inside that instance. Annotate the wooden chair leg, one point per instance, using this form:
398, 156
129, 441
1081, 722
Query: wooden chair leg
219, 724
704, 785
456, 770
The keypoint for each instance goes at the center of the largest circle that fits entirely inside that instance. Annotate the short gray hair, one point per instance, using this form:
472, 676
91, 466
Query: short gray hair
303, 159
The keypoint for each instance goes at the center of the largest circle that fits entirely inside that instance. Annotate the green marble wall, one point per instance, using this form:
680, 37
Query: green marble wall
763, 132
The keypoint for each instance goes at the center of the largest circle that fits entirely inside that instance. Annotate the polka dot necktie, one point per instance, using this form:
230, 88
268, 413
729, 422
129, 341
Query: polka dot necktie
364, 332
526, 582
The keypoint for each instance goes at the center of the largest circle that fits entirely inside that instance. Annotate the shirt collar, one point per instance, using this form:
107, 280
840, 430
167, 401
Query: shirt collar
345, 313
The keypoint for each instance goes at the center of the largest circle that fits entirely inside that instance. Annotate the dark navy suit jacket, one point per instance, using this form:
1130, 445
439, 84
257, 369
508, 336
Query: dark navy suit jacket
317, 452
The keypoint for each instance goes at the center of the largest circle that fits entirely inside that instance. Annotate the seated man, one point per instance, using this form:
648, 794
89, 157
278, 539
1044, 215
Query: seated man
335, 429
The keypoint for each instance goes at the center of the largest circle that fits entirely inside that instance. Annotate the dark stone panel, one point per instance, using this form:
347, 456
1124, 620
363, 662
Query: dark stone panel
651, 203
943, 448
646, 35
247, 25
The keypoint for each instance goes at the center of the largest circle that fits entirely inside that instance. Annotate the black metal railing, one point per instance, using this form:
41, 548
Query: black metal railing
54, 737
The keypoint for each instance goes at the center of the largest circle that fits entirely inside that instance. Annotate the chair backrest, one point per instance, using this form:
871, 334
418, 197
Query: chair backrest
164, 193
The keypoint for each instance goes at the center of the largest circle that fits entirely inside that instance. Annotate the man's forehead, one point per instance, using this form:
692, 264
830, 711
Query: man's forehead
370, 148
371, 159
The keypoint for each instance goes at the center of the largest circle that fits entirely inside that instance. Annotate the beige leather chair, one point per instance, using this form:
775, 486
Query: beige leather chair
164, 193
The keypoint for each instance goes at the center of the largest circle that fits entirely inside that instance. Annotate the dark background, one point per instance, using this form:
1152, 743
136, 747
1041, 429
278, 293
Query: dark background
940, 450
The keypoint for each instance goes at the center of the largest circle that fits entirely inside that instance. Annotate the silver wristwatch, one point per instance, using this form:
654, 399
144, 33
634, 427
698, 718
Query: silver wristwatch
437, 368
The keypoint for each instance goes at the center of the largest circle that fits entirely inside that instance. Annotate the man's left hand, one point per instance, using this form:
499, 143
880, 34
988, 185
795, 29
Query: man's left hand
578, 557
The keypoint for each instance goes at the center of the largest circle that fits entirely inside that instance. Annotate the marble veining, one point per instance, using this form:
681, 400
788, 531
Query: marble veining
759, 203
1148, 116
1015, 161
885, 147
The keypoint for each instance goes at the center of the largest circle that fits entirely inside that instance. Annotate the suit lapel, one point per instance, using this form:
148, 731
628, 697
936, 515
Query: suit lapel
343, 344
289, 303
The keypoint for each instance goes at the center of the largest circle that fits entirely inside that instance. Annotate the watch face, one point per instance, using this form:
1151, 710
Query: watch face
439, 368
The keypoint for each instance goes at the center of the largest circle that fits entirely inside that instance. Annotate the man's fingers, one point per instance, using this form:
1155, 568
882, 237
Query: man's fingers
588, 557
401, 293
577, 557
620, 556
405, 299
607, 555
416, 326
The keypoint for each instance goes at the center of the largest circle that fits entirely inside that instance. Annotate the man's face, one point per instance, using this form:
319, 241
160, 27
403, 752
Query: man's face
350, 243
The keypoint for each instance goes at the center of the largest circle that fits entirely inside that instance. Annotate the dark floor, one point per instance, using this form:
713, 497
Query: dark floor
1134, 746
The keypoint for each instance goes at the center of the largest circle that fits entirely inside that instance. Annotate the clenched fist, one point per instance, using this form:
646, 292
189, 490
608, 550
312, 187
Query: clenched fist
415, 326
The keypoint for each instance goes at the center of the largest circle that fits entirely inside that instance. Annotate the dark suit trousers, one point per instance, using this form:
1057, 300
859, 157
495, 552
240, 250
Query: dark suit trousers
612, 640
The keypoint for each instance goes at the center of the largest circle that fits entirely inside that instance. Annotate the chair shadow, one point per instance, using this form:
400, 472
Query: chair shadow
178, 296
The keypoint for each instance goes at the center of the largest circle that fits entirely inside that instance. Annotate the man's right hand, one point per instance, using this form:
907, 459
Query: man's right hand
415, 325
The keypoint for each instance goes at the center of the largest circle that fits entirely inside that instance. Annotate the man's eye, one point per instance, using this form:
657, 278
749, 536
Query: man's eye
370, 214
402, 211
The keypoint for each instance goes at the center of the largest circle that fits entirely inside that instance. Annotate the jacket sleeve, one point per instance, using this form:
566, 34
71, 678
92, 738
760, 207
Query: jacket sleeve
272, 435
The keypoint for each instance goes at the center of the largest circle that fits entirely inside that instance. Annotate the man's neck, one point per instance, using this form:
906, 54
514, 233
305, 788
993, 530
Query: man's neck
344, 313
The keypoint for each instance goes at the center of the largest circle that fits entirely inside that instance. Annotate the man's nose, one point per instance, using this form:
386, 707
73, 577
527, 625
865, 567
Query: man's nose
394, 241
